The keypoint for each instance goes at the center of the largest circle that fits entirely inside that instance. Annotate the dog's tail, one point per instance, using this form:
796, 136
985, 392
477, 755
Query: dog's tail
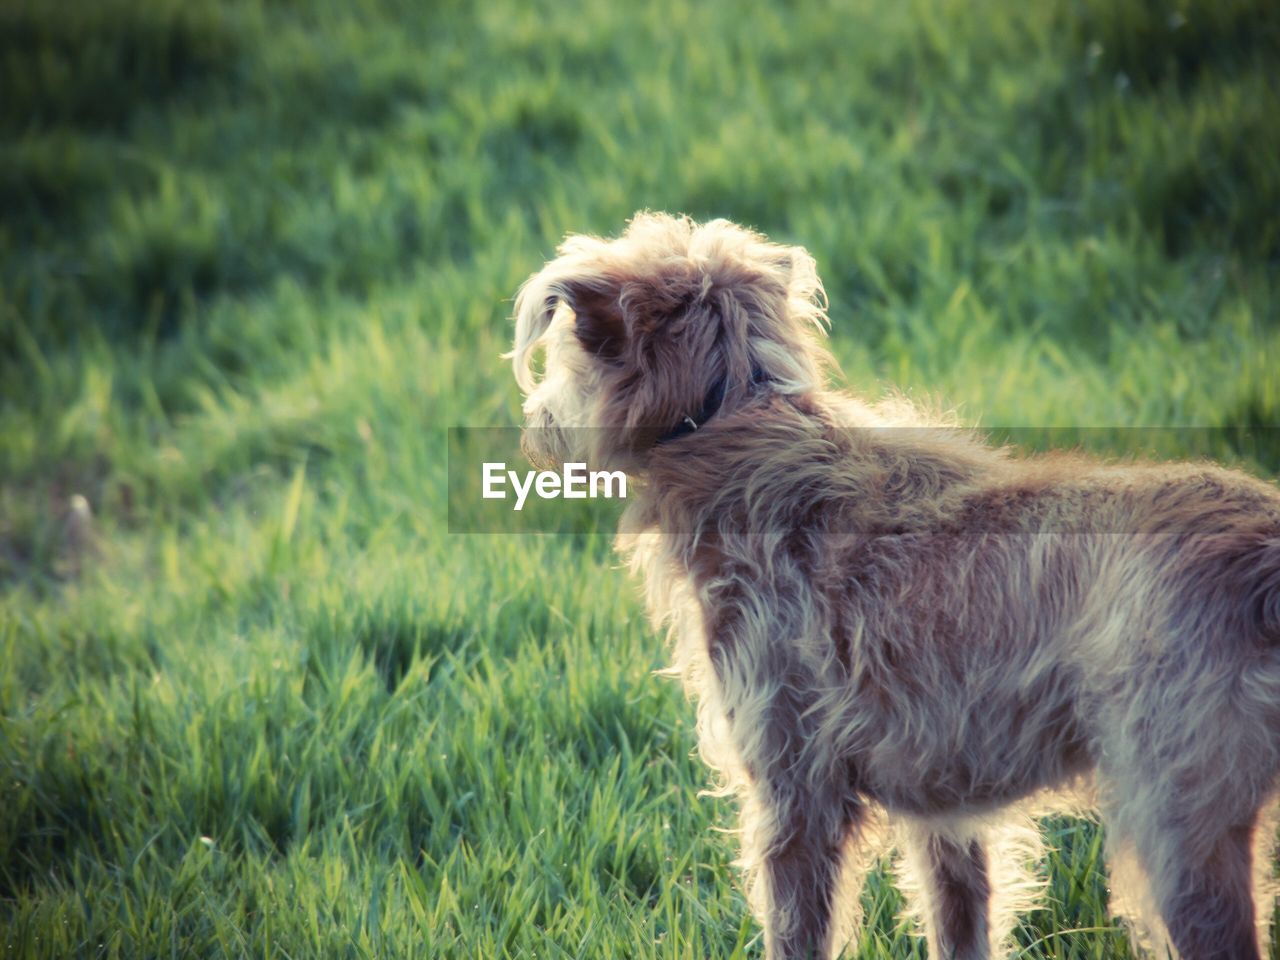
1241, 571
1268, 590
1256, 572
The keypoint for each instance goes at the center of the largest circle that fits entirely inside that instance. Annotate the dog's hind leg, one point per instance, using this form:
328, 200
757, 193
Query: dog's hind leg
947, 879
1188, 770
1199, 864
1266, 877
1206, 899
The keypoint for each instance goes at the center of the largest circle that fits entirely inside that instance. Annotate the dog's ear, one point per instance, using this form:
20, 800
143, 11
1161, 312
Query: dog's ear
779, 314
797, 272
576, 279
598, 321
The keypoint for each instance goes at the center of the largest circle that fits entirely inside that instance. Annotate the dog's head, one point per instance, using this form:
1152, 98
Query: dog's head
654, 333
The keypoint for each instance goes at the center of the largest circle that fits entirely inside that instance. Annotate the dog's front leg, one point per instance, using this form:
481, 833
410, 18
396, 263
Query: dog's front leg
954, 890
809, 870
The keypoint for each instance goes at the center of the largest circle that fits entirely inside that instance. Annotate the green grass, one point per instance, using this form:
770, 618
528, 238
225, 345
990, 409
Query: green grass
256, 257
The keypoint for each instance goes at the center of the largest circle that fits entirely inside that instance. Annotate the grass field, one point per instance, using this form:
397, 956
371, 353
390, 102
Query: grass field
255, 258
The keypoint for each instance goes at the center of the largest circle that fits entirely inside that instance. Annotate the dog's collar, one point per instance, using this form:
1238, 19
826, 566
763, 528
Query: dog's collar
710, 407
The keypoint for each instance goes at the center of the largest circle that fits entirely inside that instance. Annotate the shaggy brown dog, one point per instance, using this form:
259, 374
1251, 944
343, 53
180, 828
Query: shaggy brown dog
885, 620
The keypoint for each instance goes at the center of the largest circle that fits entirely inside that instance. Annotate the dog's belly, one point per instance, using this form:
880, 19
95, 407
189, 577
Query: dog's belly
1005, 755
960, 789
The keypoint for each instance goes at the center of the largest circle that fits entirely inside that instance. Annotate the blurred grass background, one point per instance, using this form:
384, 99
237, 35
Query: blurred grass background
255, 258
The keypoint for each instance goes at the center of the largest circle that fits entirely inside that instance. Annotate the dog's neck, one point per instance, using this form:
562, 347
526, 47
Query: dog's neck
710, 406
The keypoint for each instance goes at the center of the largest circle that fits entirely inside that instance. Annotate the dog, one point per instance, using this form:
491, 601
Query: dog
897, 632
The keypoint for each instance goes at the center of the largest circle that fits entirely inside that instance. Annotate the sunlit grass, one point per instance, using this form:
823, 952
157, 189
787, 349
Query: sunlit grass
256, 257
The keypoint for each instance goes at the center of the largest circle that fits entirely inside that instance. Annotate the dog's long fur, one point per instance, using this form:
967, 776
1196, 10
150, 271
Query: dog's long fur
886, 621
